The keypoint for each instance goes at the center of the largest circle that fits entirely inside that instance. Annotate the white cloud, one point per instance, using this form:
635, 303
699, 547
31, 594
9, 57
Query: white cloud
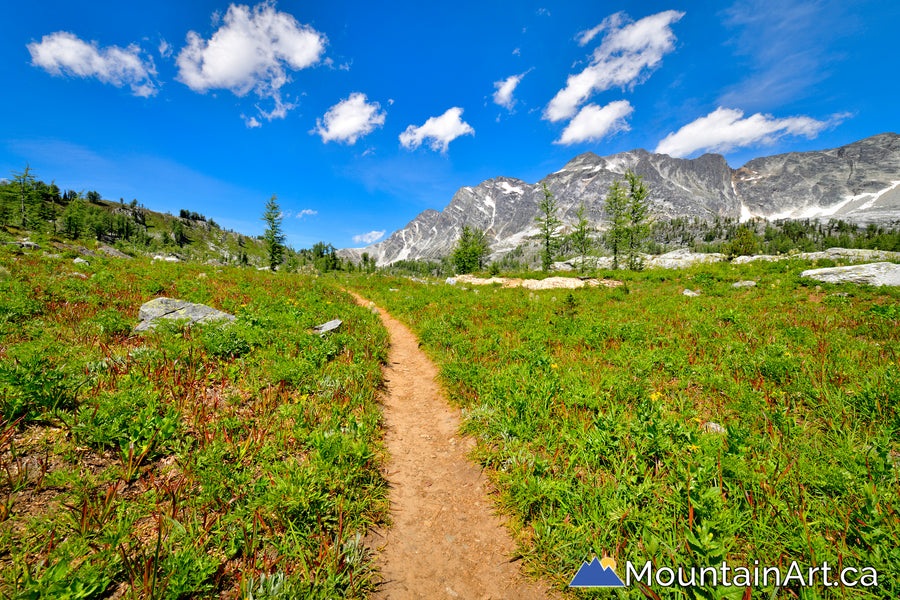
369, 238
594, 122
251, 122
251, 51
725, 129
439, 130
350, 119
63, 53
165, 49
505, 88
625, 58
306, 212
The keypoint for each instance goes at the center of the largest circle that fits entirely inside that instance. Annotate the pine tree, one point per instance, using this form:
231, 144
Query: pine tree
549, 225
273, 235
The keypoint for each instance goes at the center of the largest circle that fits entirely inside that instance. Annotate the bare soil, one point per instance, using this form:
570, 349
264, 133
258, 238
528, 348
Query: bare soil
446, 540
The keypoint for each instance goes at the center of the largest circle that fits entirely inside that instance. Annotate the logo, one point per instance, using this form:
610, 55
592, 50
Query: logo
596, 574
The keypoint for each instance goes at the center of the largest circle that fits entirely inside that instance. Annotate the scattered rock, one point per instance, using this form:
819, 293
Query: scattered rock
324, 328
680, 259
711, 427
743, 284
169, 308
74, 248
110, 251
393, 290
166, 258
24, 244
450, 281
80, 261
78, 275
691, 293
877, 274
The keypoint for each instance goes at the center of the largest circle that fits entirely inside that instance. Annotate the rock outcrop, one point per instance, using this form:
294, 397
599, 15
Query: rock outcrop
877, 274
169, 308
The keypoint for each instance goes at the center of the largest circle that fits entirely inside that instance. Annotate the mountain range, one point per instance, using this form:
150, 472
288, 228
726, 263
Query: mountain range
859, 182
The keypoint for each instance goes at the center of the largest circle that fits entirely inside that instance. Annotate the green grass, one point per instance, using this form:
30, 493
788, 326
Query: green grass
593, 409
239, 459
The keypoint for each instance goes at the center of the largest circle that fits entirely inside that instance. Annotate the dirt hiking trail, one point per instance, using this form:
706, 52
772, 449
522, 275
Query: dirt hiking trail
445, 540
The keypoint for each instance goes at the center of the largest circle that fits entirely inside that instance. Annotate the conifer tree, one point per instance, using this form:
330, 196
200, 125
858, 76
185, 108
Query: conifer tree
616, 210
470, 251
549, 225
273, 235
638, 212
581, 237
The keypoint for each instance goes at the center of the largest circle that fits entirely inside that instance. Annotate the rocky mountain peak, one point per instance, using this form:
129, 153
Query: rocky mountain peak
859, 181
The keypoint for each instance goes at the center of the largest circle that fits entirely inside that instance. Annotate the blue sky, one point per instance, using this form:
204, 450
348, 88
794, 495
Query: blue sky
360, 116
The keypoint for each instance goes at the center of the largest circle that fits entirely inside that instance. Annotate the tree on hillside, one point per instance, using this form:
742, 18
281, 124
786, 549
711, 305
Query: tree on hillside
549, 224
582, 239
178, 235
24, 190
273, 235
73, 218
638, 219
616, 211
471, 250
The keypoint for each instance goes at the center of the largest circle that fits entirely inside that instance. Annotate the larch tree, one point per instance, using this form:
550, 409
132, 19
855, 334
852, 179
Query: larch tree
638, 212
582, 238
616, 211
549, 224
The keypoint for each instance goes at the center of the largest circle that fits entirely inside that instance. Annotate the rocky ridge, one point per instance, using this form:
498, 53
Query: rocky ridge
858, 182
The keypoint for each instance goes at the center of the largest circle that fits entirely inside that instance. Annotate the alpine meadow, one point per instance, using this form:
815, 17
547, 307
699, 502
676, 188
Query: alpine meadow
469, 301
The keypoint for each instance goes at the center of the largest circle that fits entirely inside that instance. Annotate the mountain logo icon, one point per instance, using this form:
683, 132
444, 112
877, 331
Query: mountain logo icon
597, 573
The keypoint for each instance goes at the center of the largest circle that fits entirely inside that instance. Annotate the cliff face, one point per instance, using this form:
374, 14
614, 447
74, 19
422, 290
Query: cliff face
859, 182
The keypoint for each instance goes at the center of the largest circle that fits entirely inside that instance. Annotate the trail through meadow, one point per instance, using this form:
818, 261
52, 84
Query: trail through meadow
445, 540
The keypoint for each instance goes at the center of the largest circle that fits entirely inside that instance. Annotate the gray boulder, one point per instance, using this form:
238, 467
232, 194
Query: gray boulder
169, 308
712, 427
691, 293
324, 328
877, 274
743, 284
80, 261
